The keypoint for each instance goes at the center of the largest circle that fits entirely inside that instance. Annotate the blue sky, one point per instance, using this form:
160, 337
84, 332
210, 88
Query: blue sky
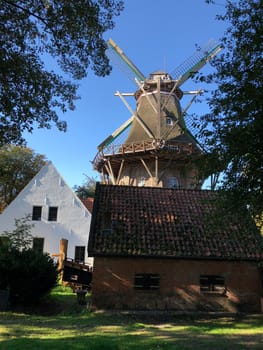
155, 35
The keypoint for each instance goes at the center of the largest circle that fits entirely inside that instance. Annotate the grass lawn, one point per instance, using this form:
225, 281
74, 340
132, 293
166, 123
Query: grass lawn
51, 326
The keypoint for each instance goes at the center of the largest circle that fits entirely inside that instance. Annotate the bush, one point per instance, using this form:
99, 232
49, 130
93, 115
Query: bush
27, 274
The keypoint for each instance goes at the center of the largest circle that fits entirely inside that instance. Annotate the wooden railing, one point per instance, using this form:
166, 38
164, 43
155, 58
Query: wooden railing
143, 146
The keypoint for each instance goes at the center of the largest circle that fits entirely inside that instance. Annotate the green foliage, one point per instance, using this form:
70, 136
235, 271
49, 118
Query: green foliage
233, 130
18, 165
69, 32
28, 275
20, 238
87, 189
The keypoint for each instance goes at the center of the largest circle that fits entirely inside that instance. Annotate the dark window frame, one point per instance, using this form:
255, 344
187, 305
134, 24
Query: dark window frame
79, 255
52, 213
146, 281
38, 244
212, 284
36, 213
169, 121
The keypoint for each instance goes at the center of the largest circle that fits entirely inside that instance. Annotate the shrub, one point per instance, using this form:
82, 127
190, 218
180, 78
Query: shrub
27, 274
34, 277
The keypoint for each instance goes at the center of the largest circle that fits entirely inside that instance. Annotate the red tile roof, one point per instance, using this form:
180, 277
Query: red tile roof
88, 202
161, 222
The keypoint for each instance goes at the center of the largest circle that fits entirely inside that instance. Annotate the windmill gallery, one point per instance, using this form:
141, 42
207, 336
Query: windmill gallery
152, 235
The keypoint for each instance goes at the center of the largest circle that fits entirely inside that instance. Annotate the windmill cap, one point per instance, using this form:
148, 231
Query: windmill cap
167, 84
159, 74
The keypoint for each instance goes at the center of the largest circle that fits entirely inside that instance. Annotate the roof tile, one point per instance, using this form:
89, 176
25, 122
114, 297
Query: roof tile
161, 222
88, 202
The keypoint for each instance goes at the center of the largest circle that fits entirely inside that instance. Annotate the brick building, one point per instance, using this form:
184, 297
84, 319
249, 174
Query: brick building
156, 238
160, 248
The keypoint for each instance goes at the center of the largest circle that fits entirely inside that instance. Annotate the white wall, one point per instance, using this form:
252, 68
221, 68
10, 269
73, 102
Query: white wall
47, 189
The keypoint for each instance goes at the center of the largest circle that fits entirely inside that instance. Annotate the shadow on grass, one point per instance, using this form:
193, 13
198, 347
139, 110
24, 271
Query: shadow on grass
128, 332
153, 339
58, 322
60, 301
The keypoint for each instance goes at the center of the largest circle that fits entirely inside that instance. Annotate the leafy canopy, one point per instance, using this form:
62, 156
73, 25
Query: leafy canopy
71, 32
20, 238
18, 165
87, 189
233, 130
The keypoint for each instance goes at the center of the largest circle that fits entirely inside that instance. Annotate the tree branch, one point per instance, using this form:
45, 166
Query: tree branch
25, 10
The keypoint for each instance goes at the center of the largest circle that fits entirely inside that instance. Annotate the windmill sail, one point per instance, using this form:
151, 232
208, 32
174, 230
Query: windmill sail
183, 72
110, 139
115, 53
155, 144
195, 62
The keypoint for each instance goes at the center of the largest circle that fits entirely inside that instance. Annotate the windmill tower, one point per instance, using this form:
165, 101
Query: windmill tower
158, 149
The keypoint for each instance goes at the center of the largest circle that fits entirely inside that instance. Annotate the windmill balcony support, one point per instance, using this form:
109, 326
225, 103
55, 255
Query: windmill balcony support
183, 149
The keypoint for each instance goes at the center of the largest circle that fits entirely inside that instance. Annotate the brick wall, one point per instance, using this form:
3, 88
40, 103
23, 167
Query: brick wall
113, 285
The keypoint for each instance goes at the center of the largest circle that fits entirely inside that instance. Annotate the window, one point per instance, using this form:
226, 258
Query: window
212, 284
52, 213
141, 181
79, 254
146, 281
169, 121
38, 245
173, 182
36, 213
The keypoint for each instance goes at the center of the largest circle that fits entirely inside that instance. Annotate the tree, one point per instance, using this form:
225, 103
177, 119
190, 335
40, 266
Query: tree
87, 189
233, 130
18, 165
20, 238
71, 32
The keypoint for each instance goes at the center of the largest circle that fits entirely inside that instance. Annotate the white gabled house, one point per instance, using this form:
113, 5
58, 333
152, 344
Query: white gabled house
56, 213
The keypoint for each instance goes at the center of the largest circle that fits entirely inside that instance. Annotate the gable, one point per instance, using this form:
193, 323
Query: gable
161, 222
46, 188
59, 213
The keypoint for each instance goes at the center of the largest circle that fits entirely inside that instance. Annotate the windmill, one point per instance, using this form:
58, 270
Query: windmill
154, 147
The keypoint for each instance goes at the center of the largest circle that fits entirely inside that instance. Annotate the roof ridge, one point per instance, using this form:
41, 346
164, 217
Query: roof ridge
157, 188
